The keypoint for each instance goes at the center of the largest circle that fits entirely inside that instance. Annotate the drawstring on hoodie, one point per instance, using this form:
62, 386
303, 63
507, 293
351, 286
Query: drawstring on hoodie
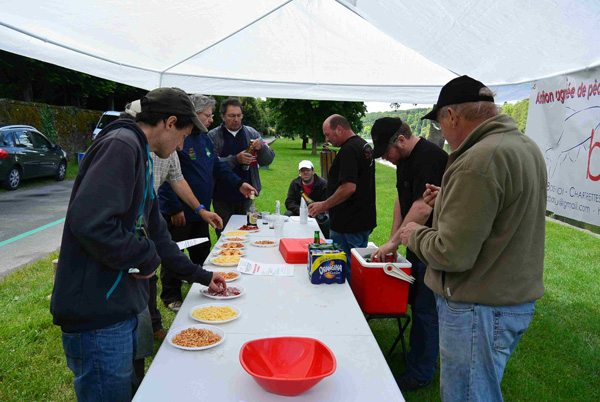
149, 179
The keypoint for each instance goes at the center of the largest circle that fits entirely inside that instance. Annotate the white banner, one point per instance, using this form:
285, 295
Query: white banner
564, 120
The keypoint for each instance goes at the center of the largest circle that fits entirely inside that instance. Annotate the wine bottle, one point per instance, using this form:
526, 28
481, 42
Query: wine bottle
321, 217
248, 150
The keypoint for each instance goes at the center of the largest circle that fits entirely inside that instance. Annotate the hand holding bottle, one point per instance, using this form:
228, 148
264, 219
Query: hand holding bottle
244, 158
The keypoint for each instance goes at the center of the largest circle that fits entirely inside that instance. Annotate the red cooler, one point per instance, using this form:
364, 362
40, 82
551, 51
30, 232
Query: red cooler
376, 291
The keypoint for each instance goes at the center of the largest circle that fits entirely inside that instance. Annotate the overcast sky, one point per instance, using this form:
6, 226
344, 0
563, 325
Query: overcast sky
373, 107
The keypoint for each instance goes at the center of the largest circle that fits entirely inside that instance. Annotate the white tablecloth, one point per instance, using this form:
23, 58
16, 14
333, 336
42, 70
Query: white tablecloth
274, 306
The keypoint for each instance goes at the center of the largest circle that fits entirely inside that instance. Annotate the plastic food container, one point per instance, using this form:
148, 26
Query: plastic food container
288, 365
375, 291
295, 251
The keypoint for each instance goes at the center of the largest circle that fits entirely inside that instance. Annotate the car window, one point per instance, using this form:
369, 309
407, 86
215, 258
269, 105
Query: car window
5, 139
105, 120
9, 139
40, 141
23, 139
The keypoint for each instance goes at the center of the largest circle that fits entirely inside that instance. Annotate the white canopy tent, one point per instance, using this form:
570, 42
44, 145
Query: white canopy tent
362, 50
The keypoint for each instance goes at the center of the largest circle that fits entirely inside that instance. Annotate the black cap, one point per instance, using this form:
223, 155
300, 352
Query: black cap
382, 131
460, 90
173, 101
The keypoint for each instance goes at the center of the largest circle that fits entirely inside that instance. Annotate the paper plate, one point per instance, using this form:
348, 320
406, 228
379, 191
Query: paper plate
216, 251
235, 233
273, 244
220, 245
234, 308
241, 288
227, 239
232, 279
178, 330
251, 231
220, 264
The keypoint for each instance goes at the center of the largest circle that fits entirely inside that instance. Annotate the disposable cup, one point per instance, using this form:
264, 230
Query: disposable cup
279, 227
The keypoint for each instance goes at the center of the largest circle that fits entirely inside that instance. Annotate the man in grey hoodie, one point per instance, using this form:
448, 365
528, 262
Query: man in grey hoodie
113, 241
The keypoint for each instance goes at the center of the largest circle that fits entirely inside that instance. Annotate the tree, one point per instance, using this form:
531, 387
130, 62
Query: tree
518, 111
30, 80
304, 118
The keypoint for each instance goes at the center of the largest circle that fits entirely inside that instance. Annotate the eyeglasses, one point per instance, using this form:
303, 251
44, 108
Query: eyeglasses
208, 116
436, 124
233, 116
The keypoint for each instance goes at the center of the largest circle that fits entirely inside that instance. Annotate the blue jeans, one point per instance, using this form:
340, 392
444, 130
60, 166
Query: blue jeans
102, 361
475, 344
349, 241
424, 332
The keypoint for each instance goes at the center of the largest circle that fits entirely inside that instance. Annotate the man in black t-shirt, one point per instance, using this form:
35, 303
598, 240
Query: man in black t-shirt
350, 188
419, 162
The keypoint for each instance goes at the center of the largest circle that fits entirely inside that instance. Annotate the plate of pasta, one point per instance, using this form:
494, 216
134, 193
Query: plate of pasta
215, 313
195, 337
239, 239
226, 260
231, 244
228, 252
265, 243
236, 233
229, 276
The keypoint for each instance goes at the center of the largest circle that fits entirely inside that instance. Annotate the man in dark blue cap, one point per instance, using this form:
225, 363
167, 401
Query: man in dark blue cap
418, 163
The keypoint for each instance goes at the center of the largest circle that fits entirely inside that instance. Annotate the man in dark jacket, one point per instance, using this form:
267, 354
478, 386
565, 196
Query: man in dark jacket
114, 239
309, 183
200, 166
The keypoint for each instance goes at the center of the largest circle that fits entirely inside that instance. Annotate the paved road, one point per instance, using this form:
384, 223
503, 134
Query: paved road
31, 223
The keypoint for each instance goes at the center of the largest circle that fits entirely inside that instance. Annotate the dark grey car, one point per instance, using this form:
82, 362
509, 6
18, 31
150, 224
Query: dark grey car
26, 153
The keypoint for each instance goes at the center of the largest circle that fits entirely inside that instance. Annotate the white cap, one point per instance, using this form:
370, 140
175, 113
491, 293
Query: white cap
305, 164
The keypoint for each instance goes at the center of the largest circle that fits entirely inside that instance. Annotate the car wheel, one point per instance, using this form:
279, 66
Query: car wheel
12, 179
61, 173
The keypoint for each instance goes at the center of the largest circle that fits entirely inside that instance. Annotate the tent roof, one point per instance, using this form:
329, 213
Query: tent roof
366, 50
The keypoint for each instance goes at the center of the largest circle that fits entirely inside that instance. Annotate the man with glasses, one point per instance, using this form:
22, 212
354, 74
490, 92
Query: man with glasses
485, 249
418, 163
230, 141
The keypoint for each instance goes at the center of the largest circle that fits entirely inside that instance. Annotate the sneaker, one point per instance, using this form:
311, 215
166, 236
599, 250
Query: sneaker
160, 334
408, 384
175, 306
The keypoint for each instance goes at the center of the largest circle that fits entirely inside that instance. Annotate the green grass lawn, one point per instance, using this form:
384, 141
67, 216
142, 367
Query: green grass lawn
557, 359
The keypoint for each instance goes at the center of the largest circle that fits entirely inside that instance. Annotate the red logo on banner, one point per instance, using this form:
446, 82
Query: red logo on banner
592, 146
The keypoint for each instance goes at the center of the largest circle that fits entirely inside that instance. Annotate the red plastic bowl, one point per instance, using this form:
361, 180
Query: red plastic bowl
288, 365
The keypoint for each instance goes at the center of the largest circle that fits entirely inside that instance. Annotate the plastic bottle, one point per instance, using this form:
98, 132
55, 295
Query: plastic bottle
303, 212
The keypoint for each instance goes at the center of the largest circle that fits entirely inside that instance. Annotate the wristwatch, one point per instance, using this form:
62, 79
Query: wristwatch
199, 208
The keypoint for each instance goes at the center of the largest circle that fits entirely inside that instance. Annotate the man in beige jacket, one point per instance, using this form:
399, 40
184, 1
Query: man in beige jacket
485, 249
